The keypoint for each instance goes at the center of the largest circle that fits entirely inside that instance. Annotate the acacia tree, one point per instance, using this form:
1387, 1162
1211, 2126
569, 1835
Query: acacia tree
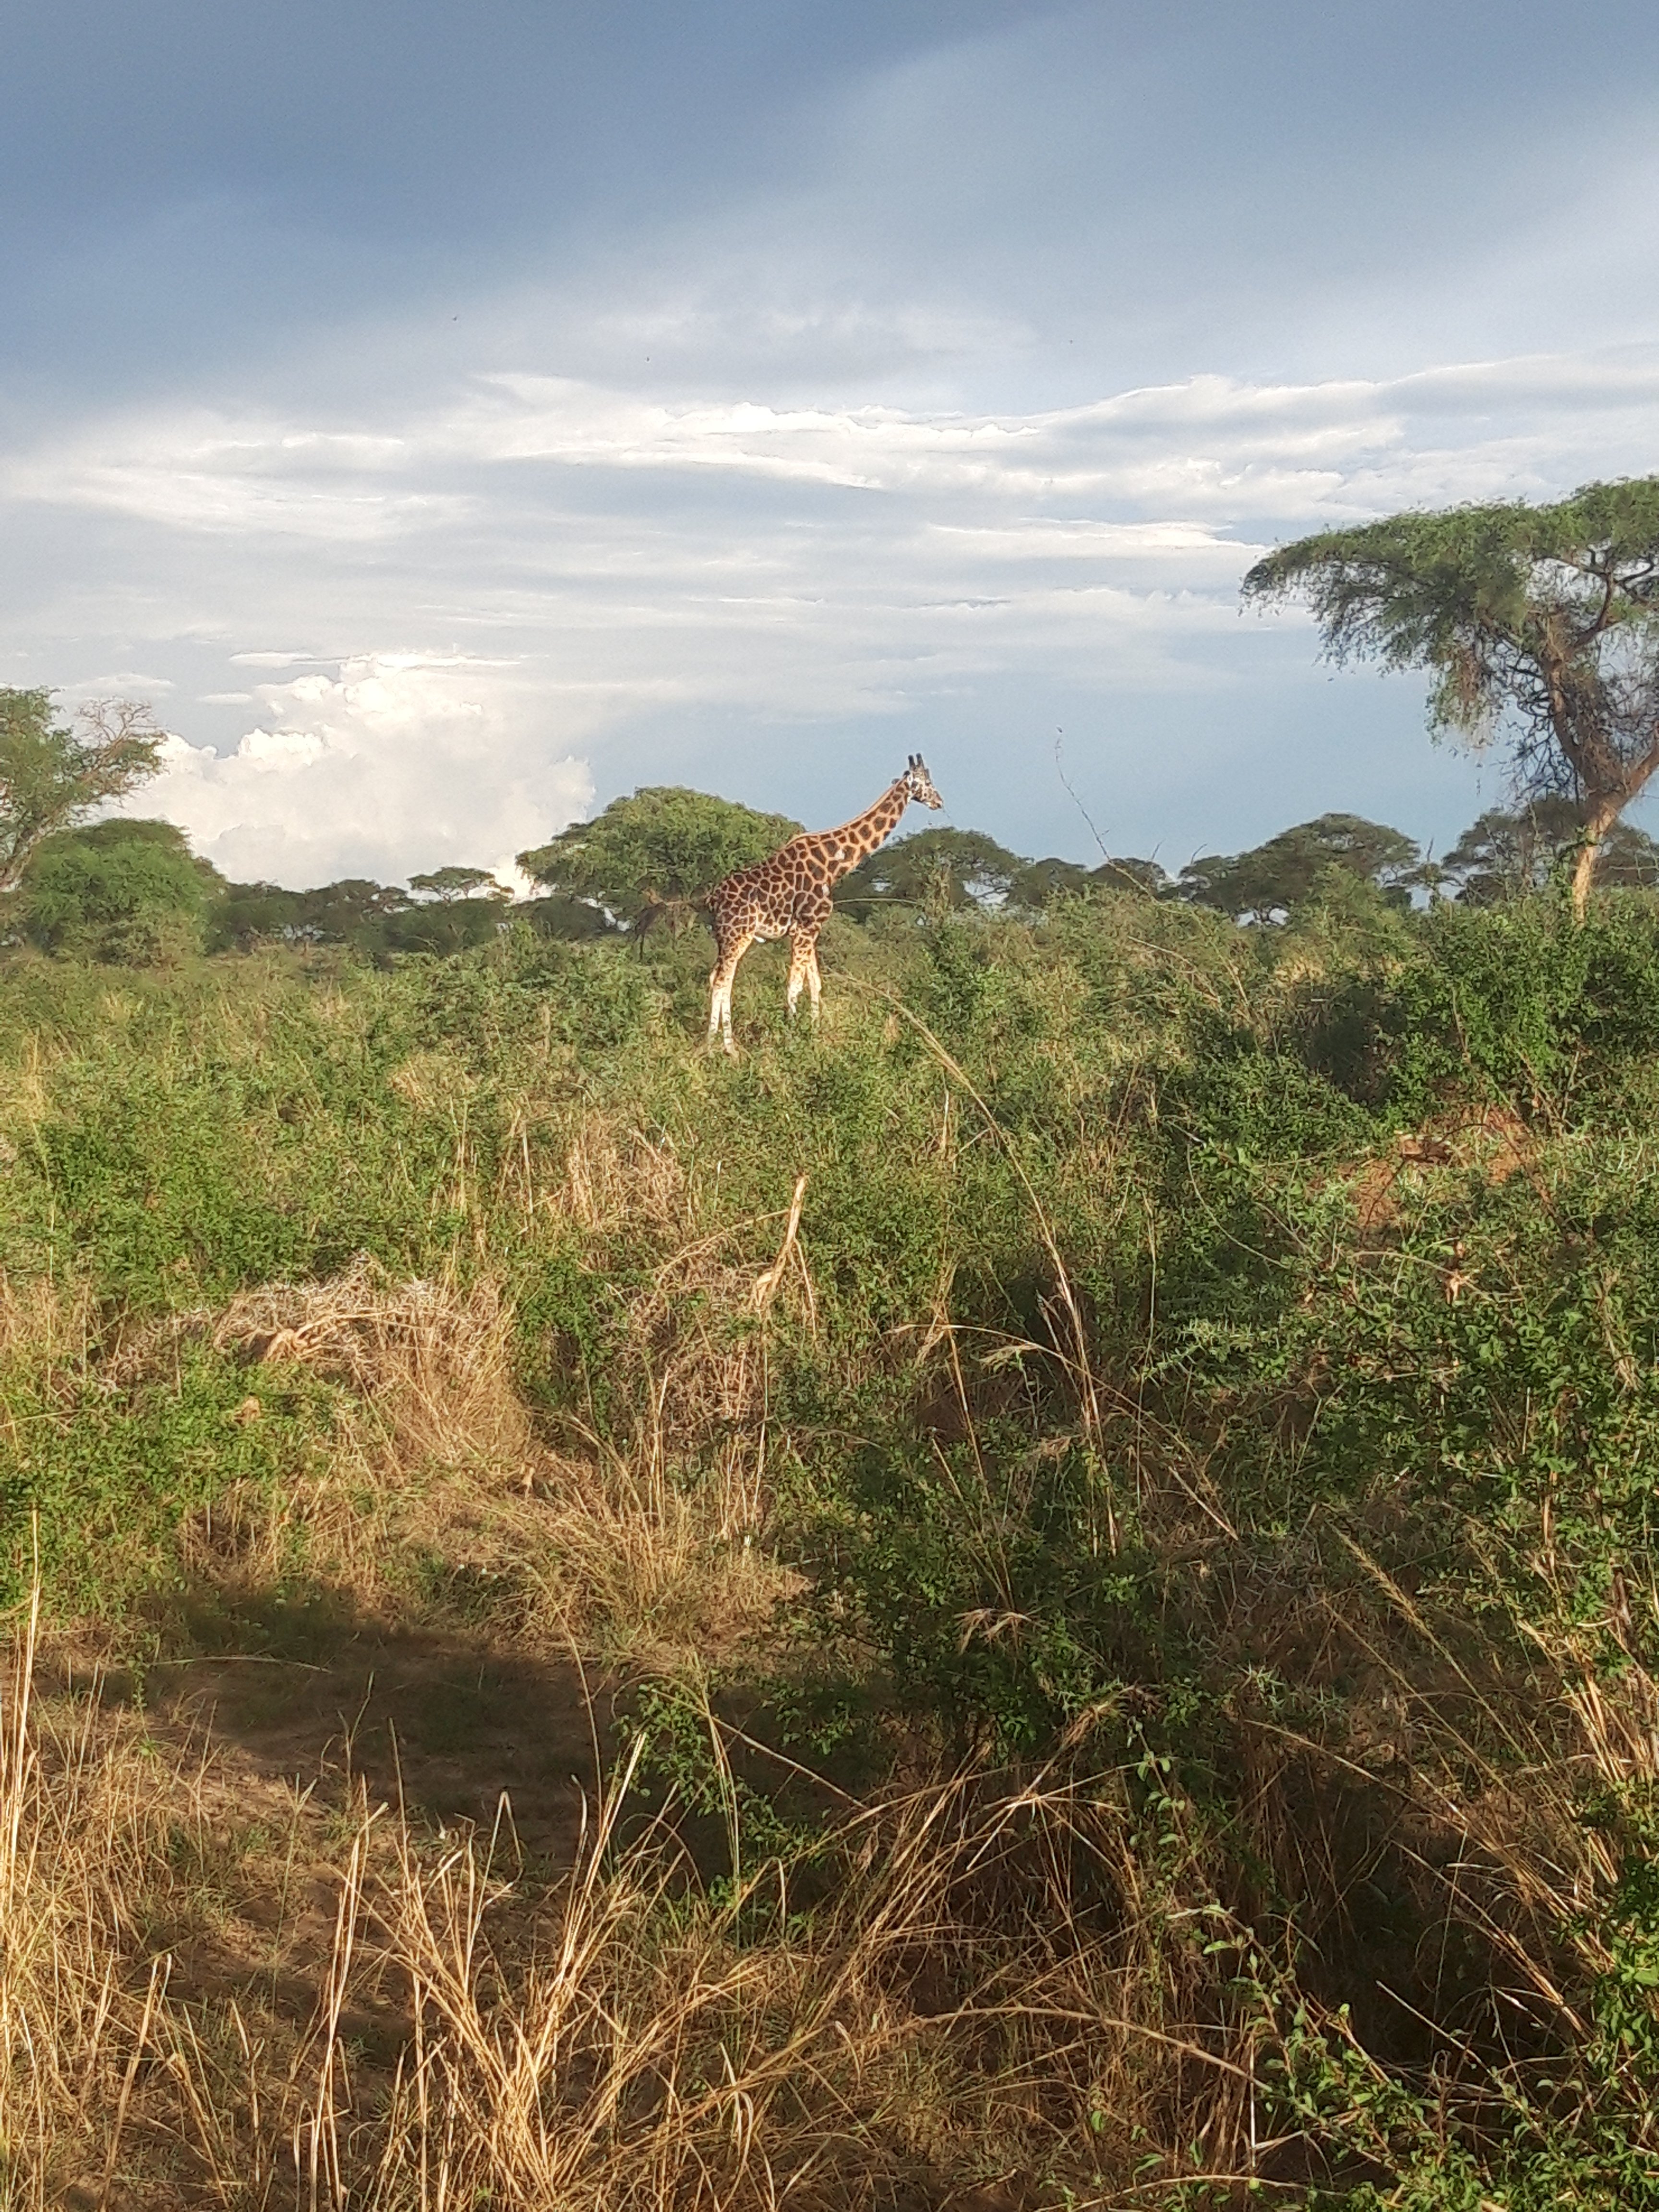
1503, 856
1272, 879
943, 868
53, 776
118, 890
445, 886
654, 852
1540, 626
1124, 872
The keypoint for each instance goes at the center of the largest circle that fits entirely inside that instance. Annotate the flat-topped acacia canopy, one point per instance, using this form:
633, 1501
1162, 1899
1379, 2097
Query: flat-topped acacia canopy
1540, 626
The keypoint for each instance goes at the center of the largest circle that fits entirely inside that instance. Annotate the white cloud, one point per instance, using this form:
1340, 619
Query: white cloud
716, 456
394, 762
562, 572
1204, 450
123, 683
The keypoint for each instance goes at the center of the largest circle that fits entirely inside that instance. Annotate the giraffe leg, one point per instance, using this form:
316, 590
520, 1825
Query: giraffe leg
719, 1000
803, 969
814, 981
720, 994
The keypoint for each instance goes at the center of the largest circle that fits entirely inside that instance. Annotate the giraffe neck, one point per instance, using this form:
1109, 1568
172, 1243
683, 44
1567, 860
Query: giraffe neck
856, 840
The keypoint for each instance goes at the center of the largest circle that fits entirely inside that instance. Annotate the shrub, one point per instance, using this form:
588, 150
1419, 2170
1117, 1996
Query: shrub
121, 891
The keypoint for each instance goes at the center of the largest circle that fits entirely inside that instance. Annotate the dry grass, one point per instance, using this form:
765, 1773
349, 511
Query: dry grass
215, 1993
45, 1324
116, 1868
428, 1361
438, 1495
613, 1181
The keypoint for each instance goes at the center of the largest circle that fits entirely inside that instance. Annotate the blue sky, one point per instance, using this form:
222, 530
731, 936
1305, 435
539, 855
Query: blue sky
450, 416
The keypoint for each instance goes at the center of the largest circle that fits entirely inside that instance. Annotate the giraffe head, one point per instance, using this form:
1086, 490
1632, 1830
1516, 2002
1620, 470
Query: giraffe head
918, 784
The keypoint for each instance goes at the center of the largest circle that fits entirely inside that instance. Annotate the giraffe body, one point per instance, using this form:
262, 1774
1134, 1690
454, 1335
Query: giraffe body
788, 895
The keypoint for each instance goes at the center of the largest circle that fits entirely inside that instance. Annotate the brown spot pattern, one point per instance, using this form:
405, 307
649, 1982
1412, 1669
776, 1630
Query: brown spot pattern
787, 894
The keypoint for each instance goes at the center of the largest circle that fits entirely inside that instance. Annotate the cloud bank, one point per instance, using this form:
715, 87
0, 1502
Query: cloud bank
477, 604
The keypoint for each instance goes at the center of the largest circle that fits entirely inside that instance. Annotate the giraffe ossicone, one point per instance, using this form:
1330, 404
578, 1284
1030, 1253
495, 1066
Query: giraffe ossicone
788, 894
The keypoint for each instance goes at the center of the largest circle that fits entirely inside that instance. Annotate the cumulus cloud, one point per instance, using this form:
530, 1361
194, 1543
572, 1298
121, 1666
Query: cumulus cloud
391, 763
890, 381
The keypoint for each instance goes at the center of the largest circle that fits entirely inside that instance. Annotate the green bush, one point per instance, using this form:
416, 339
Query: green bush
1522, 1004
121, 891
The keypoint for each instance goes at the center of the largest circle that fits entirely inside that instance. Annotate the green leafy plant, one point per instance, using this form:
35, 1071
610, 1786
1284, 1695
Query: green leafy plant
1540, 621
650, 855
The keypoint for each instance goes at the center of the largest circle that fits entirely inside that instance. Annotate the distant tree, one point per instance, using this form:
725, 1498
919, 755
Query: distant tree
379, 920
53, 776
1039, 885
444, 884
652, 855
354, 911
251, 913
571, 920
441, 927
935, 868
1132, 875
118, 890
1505, 855
1502, 854
1273, 878
1539, 624
1628, 859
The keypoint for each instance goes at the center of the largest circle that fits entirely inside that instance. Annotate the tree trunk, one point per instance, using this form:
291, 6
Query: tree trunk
1597, 821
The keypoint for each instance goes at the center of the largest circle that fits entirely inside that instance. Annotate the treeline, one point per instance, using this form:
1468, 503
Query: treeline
649, 855
1502, 855
132, 892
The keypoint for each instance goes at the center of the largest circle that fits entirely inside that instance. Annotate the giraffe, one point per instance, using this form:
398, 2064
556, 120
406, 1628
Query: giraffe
788, 896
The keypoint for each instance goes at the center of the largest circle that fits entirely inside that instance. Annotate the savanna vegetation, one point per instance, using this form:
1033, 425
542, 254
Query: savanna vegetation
1043, 1597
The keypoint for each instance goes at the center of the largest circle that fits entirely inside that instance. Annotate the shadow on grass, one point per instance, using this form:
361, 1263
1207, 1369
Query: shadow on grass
307, 1690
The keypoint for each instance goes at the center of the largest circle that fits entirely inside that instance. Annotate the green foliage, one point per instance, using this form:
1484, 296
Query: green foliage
1116, 874
354, 911
1432, 589
448, 883
1541, 621
574, 921
376, 919
932, 870
943, 871
1514, 1004
445, 926
1503, 855
119, 891
654, 852
1275, 879
1040, 885
107, 1481
53, 776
